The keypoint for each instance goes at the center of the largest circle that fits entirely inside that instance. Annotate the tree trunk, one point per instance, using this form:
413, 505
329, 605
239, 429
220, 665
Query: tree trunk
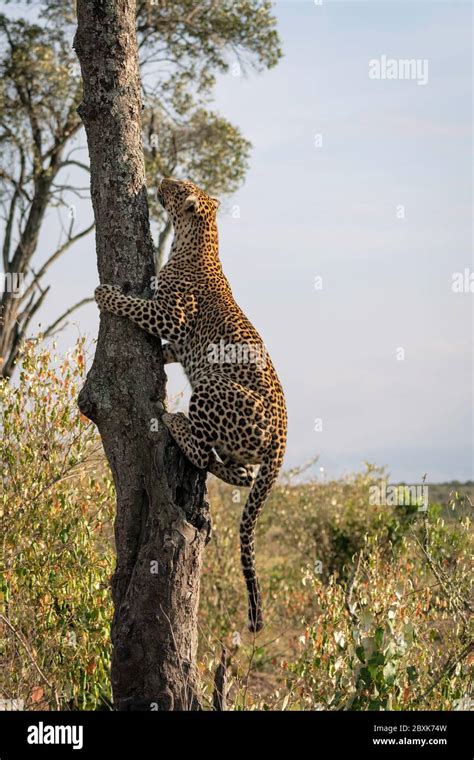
162, 522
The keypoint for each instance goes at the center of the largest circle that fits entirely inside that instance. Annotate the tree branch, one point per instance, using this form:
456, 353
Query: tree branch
55, 256
219, 697
51, 329
18, 185
73, 162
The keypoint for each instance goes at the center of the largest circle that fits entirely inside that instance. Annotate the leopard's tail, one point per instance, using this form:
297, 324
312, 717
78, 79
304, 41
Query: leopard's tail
259, 492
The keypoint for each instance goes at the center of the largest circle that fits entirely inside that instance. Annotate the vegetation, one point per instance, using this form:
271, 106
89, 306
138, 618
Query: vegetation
367, 607
57, 507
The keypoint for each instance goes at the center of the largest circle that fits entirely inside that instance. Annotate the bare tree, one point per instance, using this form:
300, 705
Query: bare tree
162, 522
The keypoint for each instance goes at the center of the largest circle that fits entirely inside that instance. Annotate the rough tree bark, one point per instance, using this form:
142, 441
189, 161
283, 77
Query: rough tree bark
162, 522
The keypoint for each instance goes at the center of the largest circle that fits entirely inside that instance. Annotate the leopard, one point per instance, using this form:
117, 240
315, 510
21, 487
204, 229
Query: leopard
236, 426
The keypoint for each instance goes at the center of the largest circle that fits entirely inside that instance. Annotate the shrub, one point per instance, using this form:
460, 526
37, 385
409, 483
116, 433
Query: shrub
367, 607
57, 506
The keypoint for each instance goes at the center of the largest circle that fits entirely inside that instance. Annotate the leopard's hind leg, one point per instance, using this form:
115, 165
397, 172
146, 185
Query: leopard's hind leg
201, 454
197, 450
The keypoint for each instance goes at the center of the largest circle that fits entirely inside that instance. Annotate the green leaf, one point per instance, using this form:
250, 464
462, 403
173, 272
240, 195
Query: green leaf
377, 659
378, 636
365, 676
360, 653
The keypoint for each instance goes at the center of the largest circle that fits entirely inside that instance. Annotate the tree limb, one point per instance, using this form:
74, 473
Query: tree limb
18, 185
219, 697
55, 256
51, 329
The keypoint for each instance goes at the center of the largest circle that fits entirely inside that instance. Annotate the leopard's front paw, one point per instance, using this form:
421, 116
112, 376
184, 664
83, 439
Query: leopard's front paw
105, 296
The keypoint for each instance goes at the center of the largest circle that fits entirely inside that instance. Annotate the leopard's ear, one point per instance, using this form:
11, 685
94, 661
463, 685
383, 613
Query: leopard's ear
216, 202
191, 203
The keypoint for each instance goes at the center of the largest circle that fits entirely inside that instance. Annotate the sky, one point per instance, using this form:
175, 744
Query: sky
342, 244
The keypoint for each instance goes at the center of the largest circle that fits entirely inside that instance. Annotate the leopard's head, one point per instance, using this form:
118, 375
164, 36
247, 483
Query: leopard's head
187, 205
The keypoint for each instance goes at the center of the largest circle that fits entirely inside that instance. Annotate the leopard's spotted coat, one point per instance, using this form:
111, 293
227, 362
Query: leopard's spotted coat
237, 409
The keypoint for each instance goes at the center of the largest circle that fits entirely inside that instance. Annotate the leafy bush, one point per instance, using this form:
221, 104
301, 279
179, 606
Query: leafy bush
367, 607
378, 647
57, 506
